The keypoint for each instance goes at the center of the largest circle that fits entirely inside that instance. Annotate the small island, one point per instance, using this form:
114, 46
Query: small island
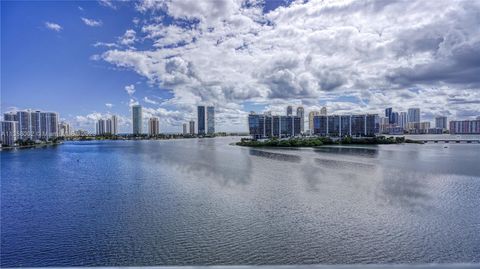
321, 141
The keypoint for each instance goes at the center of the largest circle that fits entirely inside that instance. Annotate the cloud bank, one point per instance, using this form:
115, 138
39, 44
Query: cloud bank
353, 56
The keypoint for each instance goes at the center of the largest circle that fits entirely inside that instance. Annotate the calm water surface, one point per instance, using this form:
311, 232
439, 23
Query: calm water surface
205, 202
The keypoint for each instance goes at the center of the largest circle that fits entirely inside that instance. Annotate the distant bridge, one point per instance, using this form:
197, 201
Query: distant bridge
449, 141
346, 266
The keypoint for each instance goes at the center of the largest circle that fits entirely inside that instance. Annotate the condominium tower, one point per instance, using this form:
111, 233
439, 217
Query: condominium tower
441, 122
206, 120
301, 114
414, 115
34, 125
310, 120
153, 126
185, 131
192, 127
210, 120
201, 120
289, 110
137, 119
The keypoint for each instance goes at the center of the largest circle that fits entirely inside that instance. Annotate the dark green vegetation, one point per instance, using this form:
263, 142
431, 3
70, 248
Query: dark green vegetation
28, 143
320, 141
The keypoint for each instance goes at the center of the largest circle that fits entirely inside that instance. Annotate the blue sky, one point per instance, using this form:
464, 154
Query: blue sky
52, 70
239, 56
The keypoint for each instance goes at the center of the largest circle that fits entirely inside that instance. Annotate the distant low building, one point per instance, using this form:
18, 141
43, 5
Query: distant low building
80, 133
435, 131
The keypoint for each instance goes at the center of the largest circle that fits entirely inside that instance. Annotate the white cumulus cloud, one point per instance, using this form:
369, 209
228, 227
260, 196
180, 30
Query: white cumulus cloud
92, 22
53, 26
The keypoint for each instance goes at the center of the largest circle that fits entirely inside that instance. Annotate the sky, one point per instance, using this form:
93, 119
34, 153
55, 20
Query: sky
90, 59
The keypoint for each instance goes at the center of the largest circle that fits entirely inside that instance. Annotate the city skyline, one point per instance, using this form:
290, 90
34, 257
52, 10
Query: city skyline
206, 117
101, 59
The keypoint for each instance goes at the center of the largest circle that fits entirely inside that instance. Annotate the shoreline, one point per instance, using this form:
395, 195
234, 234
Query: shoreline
315, 142
31, 146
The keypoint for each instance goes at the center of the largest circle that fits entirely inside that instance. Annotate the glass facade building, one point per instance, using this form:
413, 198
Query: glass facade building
414, 115
201, 120
137, 119
346, 125
210, 120
267, 126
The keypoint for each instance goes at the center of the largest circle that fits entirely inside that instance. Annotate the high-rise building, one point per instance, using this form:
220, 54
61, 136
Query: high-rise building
153, 126
402, 120
394, 118
8, 132
114, 125
48, 125
262, 126
301, 114
137, 119
388, 114
185, 131
201, 120
414, 115
289, 110
108, 126
465, 127
323, 111
192, 127
310, 120
100, 127
24, 125
10, 116
64, 129
210, 120
384, 125
346, 125
36, 125
441, 122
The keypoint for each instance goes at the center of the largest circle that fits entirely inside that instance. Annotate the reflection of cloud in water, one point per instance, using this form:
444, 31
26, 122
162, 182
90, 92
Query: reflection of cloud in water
355, 151
313, 176
275, 156
404, 189
226, 167
340, 164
